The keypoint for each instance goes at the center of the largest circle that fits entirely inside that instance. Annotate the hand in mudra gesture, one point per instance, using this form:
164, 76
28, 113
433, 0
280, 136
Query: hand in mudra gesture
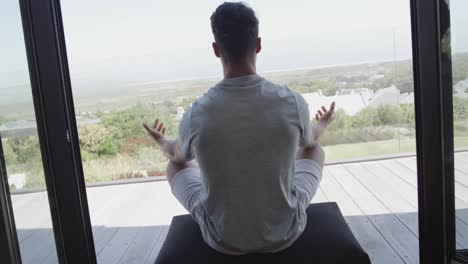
324, 116
157, 131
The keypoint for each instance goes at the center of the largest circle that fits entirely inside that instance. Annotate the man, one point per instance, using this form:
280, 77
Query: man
259, 157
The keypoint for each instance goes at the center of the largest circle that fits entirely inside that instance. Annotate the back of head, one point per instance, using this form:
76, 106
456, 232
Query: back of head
235, 28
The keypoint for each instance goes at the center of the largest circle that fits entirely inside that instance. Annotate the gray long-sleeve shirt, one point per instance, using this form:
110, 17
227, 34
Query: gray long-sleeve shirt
244, 134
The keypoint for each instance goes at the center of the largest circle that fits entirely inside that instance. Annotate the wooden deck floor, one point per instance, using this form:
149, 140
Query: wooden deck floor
130, 222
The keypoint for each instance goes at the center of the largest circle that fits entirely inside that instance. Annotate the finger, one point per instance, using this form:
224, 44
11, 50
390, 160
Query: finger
317, 117
324, 109
147, 128
332, 107
320, 112
160, 127
164, 131
156, 123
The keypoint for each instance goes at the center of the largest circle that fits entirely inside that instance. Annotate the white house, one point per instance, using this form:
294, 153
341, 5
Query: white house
391, 96
180, 113
351, 101
17, 180
460, 88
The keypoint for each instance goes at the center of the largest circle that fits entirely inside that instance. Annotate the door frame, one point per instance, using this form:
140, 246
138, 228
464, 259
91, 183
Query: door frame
9, 246
57, 130
432, 68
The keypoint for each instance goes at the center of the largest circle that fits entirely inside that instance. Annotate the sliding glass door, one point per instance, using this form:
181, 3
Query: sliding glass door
459, 49
25, 200
44, 213
44, 206
440, 44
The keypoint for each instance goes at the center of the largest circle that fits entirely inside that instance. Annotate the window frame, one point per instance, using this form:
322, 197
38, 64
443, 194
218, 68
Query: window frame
432, 66
9, 246
57, 130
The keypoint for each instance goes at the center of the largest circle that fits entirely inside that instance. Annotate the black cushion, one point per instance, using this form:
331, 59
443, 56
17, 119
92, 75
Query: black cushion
327, 239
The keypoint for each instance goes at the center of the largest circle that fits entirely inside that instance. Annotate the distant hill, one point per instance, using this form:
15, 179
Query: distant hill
92, 96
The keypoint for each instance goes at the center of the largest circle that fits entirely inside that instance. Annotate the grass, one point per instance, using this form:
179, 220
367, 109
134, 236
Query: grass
376, 148
151, 162
358, 150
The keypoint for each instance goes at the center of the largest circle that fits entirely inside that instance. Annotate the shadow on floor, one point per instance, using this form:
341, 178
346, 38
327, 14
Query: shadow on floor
387, 238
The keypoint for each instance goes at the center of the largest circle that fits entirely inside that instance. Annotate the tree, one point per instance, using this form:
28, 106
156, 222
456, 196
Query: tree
311, 86
407, 111
365, 118
91, 137
96, 140
341, 121
25, 149
126, 124
389, 115
460, 108
10, 155
460, 67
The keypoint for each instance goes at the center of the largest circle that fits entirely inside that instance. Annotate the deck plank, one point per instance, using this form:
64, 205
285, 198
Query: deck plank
37, 205
157, 246
461, 192
398, 235
409, 162
461, 178
34, 230
146, 239
103, 220
319, 197
393, 182
401, 171
141, 247
130, 222
460, 204
38, 246
372, 241
99, 199
461, 215
461, 162
116, 247
397, 205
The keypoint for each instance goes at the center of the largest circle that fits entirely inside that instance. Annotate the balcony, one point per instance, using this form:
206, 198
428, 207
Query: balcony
130, 221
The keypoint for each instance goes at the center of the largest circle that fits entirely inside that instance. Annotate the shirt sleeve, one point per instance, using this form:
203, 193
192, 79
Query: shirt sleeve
185, 138
306, 135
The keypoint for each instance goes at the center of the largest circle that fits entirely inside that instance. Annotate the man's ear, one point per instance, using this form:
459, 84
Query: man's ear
258, 45
216, 49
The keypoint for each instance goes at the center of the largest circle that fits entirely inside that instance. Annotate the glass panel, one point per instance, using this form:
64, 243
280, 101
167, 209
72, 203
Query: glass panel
459, 41
133, 61
21, 145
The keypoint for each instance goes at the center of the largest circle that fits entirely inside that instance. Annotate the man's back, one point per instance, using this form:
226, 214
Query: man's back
254, 183
244, 134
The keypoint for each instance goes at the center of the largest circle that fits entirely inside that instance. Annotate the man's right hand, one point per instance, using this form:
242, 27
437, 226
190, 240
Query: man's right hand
324, 116
157, 131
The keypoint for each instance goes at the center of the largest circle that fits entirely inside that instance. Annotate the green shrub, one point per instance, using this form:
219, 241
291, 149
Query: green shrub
22, 149
128, 123
389, 115
460, 108
407, 111
341, 121
365, 118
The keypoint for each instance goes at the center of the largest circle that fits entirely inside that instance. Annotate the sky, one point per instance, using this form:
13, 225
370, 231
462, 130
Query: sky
148, 40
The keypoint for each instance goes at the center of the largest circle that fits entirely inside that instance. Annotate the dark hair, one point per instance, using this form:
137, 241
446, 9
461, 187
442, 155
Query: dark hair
235, 28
